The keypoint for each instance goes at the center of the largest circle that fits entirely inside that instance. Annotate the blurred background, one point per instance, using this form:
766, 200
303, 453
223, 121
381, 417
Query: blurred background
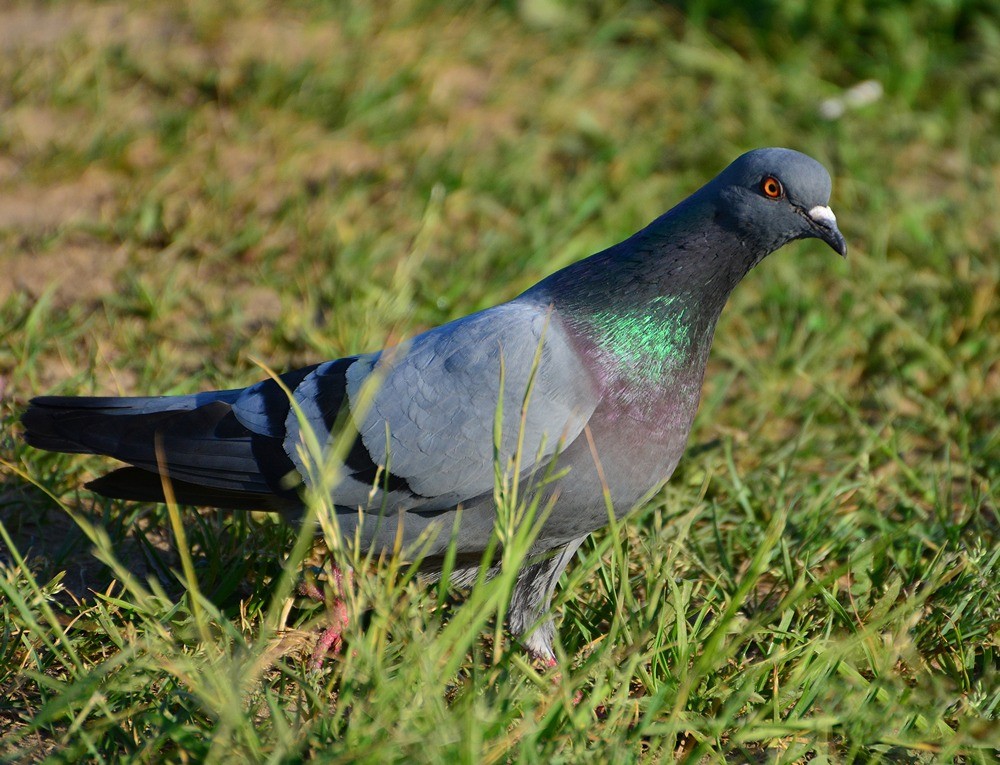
212, 180
189, 187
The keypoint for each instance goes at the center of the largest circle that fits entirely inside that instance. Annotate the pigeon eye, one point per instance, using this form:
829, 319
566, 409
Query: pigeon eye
771, 188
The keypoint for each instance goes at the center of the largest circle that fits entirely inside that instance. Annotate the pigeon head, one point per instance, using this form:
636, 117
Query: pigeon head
773, 196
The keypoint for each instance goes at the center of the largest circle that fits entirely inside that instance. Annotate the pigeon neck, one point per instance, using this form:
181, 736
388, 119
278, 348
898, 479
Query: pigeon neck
650, 340
647, 307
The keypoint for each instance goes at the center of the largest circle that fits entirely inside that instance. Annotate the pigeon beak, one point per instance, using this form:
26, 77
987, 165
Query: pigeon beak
824, 224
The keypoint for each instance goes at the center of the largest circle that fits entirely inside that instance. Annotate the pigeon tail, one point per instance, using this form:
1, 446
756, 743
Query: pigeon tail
196, 441
138, 485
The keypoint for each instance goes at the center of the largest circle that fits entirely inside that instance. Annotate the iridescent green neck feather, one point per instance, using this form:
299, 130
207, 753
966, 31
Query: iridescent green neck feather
648, 340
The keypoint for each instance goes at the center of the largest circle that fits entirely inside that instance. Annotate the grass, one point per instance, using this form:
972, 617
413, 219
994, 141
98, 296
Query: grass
191, 188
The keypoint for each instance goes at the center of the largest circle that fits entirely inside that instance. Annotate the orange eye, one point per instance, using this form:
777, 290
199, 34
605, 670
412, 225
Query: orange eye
771, 188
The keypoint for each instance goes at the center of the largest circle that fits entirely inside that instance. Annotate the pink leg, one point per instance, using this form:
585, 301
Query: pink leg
331, 640
311, 591
549, 662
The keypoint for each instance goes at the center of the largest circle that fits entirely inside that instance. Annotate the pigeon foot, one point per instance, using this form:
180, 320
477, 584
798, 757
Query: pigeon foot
331, 640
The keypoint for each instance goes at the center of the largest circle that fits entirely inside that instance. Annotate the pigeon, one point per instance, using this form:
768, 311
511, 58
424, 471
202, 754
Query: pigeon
608, 353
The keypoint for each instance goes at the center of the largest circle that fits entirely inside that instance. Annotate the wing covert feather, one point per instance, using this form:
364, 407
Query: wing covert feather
439, 397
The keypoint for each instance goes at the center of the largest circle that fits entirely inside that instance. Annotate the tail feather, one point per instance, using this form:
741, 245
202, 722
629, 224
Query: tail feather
196, 441
57, 424
88, 424
140, 485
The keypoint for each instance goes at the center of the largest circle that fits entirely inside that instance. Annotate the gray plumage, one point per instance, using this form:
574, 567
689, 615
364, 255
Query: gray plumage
622, 340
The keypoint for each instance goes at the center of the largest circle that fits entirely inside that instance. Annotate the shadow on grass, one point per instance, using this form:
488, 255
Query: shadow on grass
236, 556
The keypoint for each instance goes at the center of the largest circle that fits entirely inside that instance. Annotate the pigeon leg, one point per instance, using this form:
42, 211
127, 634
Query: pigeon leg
331, 640
532, 599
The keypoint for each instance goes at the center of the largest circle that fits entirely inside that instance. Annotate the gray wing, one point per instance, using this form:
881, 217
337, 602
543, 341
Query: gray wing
426, 442
428, 436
